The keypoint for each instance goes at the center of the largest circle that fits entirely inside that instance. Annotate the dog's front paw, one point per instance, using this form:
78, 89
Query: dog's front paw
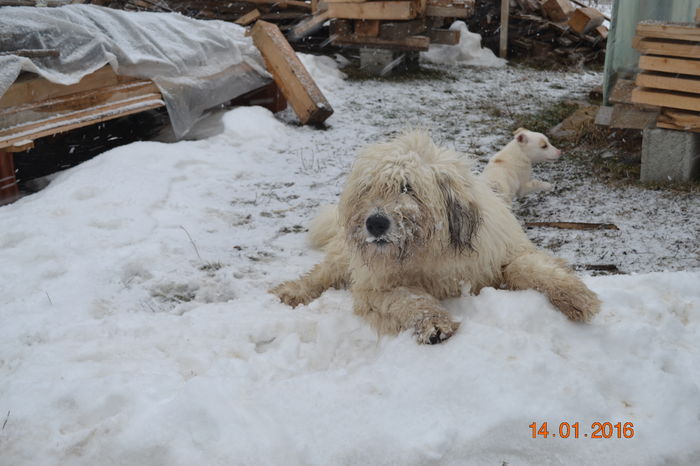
435, 328
580, 305
545, 186
291, 293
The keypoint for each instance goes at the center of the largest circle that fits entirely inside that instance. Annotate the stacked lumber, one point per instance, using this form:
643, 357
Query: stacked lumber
410, 25
551, 31
244, 12
669, 79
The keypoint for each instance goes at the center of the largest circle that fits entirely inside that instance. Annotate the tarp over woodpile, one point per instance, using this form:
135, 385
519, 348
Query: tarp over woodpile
195, 64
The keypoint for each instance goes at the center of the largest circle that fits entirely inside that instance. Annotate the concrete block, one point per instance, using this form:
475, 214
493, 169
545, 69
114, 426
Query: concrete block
669, 155
382, 62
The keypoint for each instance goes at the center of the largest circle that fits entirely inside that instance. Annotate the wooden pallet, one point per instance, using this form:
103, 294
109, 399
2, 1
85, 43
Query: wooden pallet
670, 76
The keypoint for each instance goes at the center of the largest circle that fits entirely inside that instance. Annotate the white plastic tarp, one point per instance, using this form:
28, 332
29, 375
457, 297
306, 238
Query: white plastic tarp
195, 64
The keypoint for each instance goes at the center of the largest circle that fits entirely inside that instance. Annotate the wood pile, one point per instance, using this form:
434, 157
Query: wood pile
398, 25
669, 79
554, 31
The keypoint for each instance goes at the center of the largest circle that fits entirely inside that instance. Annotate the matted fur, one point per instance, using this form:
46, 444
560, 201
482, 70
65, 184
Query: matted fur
448, 229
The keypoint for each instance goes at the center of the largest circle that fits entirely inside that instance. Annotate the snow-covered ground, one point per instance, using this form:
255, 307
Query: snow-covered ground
136, 328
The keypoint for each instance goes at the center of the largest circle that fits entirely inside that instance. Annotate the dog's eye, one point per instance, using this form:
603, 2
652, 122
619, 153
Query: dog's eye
544, 145
406, 188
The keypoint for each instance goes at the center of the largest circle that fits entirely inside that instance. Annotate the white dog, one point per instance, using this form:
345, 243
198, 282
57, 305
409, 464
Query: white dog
414, 226
509, 172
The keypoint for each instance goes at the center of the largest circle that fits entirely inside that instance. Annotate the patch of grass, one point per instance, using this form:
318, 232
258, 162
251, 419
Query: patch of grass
545, 119
211, 267
420, 73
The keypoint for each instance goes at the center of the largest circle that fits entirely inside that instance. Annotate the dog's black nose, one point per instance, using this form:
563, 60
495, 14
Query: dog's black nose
377, 224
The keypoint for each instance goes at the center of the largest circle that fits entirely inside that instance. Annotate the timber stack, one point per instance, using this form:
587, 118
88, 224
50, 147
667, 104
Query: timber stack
669, 80
550, 31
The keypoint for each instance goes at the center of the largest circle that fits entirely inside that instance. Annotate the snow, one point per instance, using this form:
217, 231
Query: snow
137, 328
467, 52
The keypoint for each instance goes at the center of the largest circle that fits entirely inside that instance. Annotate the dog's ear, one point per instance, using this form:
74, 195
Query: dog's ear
519, 130
521, 138
463, 217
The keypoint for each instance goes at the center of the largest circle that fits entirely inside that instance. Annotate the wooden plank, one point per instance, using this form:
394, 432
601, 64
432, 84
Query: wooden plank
503, 37
584, 20
373, 10
407, 43
78, 100
294, 80
283, 4
36, 88
666, 99
666, 47
632, 117
679, 120
622, 91
249, 17
73, 120
688, 32
670, 65
669, 83
367, 27
309, 25
401, 29
447, 11
443, 36
573, 225
9, 191
558, 10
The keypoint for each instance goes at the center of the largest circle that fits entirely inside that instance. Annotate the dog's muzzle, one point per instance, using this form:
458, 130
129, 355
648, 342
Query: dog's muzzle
377, 225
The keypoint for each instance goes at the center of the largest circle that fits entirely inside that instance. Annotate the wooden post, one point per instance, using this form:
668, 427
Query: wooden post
9, 191
505, 14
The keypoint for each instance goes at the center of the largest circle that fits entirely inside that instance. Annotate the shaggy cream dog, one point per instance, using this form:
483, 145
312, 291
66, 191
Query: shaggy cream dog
413, 227
509, 172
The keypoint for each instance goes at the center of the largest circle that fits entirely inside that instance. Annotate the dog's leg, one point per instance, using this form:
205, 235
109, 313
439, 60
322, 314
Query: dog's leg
332, 272
404, 308
536, 185
551, 276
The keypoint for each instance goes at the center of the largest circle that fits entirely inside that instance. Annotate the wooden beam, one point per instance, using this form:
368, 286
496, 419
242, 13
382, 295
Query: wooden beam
447, 11
669, 83
666, 99
67, 121
249, 17
9, 191
687, 32
557, 10
584, 20
294, 80
35, 89
373, 10
407, 43
670, 65
443, 36
503, 39
573, 225
367, 28
309, 25
401, 29
665, 47
678, 120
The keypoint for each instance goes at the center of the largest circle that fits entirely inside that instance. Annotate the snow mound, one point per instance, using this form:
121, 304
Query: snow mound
324, 70
467, 52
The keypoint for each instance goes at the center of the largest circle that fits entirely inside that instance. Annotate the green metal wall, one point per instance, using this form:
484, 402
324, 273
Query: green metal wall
621, 59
